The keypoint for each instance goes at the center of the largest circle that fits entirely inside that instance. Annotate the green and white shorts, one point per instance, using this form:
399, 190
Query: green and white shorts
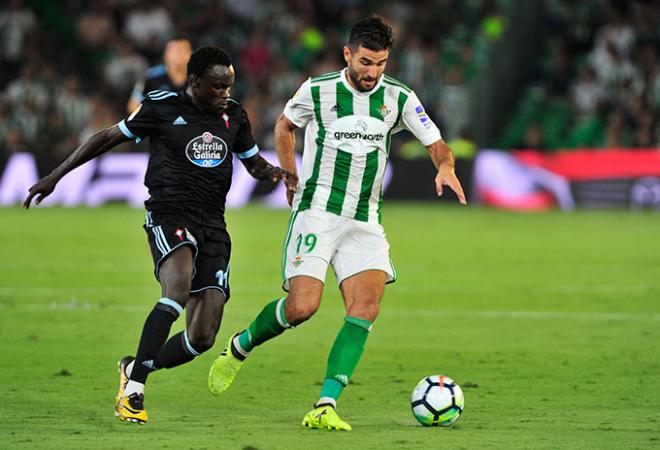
317, 238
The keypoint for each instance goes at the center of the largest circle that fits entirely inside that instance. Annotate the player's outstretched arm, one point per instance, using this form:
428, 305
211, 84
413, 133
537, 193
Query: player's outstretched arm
261, 169
443, 159
96, 145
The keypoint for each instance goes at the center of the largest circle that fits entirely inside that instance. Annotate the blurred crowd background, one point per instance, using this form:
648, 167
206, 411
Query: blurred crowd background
586, 72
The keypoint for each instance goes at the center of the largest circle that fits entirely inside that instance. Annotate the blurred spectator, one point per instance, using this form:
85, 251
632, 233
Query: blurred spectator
149, 26
16, 22
72, 105
96, 27
124, 67
587, 95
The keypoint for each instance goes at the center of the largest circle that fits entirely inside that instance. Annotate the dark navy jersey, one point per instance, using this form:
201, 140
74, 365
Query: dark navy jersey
156, 79
190, 161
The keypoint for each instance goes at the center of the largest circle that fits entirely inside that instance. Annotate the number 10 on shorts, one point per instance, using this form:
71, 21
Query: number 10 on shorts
306, 243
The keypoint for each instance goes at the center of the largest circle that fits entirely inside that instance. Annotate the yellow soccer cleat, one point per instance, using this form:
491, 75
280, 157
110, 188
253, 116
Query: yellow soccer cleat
123, 377
224, 369
325, 418
131, 409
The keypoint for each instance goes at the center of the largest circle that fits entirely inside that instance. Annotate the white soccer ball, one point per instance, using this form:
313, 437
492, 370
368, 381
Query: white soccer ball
437, 400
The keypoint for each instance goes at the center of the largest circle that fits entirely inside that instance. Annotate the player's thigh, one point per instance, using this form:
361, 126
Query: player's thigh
175, 274
173, 248
363, 292
363, 247
309, 245
212, 268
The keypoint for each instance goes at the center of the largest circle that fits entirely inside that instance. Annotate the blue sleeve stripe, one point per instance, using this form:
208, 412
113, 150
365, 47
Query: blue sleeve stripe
124, 129
160, 95
248, 153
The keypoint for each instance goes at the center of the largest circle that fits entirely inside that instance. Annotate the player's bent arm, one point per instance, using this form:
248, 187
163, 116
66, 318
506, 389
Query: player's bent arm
98, 144
443, 159
285, 143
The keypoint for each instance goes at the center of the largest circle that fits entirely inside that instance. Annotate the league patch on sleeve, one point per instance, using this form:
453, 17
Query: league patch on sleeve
423, 117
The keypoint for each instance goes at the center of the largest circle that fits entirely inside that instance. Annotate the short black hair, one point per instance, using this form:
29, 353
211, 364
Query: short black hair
205, 57
373, 32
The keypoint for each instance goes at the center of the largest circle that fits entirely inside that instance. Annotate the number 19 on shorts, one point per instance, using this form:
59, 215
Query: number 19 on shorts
306, 243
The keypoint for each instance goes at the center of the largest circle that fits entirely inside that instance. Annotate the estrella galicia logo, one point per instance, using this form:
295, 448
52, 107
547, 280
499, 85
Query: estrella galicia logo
206, 150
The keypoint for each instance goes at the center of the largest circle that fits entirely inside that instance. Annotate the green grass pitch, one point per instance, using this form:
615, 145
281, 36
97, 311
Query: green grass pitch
549, 321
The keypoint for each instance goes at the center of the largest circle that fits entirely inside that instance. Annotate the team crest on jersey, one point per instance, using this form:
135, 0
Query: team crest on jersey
206, 150
384, 110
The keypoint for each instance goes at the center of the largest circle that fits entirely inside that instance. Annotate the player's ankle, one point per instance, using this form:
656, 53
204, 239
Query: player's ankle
239, 352
326, 401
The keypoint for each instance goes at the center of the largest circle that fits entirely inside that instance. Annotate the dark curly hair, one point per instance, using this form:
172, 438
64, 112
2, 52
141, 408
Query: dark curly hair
205, 57
374, 33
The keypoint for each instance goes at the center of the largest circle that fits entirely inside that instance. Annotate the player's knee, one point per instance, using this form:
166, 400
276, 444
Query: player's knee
201, 340
297, 310
177, 287
366, 308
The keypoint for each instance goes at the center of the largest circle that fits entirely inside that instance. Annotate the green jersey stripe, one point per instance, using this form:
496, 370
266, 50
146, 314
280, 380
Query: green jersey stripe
344, 101
339, 182
287, 238
310, 184
327, 76
368, 178
395, 82
377, 104
401, 101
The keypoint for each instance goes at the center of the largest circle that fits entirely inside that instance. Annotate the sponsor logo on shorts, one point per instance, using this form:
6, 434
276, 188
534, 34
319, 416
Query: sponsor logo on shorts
206, 150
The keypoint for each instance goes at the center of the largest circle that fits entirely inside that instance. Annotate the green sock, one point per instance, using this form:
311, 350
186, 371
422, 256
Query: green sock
269, 323
345, 356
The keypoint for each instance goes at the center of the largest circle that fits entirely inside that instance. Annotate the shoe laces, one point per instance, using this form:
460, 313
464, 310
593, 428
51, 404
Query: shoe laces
136, 401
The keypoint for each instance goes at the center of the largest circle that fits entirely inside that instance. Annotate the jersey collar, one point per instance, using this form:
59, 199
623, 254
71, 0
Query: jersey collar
344, 79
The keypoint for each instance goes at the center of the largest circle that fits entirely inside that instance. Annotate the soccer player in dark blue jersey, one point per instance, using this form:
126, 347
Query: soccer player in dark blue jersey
171, 75
193, 135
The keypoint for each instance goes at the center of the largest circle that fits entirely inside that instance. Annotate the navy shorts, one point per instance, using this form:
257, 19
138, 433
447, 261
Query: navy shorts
209, 242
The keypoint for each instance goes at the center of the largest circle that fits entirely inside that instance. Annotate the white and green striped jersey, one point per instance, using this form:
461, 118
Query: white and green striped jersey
347, 140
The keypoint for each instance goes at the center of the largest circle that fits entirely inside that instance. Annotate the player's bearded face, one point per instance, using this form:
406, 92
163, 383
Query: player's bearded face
365, 66
211, 92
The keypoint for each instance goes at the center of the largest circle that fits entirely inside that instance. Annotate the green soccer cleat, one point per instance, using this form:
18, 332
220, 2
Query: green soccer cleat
224, 369
325, 418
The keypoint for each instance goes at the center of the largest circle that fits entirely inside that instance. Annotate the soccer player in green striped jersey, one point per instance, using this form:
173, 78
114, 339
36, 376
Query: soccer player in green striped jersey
349, 117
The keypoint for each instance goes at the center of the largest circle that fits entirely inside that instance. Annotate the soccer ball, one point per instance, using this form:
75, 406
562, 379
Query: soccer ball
437, 400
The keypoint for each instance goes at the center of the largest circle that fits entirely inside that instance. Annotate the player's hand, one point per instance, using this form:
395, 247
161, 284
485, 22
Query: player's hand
43, 188
446, 176
291, 183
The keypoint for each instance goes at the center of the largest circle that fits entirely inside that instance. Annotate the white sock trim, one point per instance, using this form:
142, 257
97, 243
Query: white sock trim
279, 313
129, 369
172, 304
237, 345
327, 401
133, 387
188, 346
